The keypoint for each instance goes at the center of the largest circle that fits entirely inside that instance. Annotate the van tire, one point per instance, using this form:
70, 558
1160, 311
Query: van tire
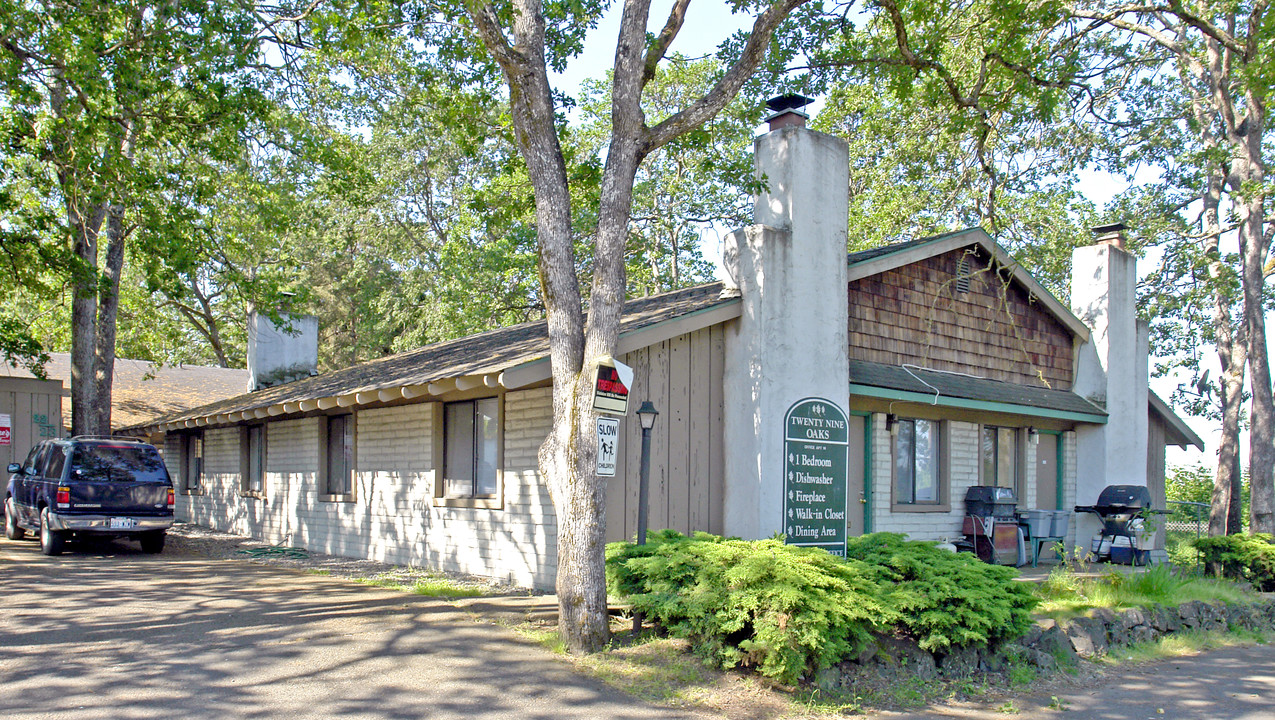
152, 542
51, 541
12, 530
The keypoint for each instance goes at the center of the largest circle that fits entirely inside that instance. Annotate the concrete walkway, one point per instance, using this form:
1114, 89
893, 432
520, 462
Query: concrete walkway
112, 633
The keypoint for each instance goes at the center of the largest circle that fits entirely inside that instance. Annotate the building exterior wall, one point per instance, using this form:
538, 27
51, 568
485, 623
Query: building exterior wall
961, 469
682, 377
915, 314
394, 516
34, 408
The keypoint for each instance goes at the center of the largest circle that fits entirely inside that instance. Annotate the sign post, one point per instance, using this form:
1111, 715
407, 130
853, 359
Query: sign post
816, 443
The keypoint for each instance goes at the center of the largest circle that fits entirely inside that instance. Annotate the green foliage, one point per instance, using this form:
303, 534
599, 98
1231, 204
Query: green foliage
945, 599
1194, 483
1249, 557
788, 610
782, 609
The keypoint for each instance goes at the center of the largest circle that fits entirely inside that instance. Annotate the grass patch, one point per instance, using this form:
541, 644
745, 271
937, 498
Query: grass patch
1065, 594
660, 670
1180, 644
427, 587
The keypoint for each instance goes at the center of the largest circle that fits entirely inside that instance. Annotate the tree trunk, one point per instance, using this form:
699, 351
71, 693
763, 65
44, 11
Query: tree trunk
1250, 206
567, 459
107, 314
1223, 512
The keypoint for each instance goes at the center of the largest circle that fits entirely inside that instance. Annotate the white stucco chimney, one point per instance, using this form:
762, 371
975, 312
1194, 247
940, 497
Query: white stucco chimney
277, 355
1111, 369
790, 342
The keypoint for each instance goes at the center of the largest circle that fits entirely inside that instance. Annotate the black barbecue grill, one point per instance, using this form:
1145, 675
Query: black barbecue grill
1121, 509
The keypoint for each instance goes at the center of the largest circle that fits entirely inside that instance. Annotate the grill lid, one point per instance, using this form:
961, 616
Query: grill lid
983, 493
1124, 496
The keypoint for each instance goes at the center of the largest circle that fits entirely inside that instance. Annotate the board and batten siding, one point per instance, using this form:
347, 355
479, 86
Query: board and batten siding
918, 314
34, 408
682, 377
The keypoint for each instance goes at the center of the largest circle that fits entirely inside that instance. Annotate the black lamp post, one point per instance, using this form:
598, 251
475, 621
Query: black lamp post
646, 415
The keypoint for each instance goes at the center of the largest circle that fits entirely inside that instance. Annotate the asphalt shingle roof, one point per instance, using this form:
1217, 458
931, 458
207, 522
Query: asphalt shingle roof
141, 390
487, 352
918, 380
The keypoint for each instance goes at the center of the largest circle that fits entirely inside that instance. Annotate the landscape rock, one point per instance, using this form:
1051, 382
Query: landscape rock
1041, 660
1189, 612
903, 653
960, 662
1088, 636
867, 652
1130, 619
1032, 636
1055, 642
828, 679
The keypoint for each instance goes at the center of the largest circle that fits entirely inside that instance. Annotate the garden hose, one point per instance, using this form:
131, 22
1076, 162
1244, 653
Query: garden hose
287, 553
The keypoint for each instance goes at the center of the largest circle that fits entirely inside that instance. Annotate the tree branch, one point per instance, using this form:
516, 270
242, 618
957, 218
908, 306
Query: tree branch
676, 16
703, 109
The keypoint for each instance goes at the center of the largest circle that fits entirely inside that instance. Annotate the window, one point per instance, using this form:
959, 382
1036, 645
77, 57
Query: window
192, 462
917, 462
1001, 460
254, 461
35, 460
55, 463
471, 447
338, 480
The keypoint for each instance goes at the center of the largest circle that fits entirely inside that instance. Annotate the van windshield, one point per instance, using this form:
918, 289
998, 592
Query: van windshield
118, 463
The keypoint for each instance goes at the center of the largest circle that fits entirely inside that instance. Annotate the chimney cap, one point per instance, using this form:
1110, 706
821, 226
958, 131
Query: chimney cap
790, 101
1109, 228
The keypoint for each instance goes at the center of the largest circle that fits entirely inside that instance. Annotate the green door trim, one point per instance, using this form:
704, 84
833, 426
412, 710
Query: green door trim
867, 468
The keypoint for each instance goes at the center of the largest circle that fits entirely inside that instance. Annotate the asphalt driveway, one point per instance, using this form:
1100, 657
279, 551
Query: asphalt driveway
108, 632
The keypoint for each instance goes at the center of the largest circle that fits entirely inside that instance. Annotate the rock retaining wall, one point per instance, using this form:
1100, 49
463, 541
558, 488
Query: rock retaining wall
1048, 642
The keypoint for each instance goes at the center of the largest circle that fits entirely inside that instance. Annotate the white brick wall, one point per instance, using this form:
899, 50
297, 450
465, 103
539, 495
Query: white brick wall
394, 517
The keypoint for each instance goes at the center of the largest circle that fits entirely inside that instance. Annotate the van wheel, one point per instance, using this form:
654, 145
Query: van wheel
11, 529
51, 541
152, 542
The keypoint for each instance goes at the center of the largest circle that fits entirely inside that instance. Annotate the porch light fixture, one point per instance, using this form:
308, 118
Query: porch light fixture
1033, 435
892, 424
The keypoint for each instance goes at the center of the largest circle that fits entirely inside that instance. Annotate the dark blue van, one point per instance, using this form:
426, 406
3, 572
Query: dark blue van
90, 485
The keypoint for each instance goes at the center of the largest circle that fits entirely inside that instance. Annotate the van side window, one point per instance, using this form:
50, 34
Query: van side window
55, 462
34, 460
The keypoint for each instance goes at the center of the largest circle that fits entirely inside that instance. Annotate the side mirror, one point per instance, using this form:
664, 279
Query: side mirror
14, 467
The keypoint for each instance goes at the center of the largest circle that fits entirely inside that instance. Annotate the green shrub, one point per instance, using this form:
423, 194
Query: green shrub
1242, 557
946, 599
789, 611
782, 609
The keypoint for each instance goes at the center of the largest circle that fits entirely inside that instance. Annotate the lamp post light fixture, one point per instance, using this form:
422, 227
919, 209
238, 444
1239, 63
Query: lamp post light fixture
646, 415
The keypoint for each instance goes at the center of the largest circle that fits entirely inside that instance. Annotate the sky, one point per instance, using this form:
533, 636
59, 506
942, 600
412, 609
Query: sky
707, 24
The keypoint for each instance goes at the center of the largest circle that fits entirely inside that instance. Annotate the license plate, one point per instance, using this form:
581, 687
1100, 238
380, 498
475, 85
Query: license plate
123, 523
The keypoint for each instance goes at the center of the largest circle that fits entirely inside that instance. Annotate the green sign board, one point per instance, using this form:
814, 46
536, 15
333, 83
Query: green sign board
816, 443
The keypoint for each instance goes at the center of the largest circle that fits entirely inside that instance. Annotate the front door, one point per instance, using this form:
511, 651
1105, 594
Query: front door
856, 515
1047, 472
